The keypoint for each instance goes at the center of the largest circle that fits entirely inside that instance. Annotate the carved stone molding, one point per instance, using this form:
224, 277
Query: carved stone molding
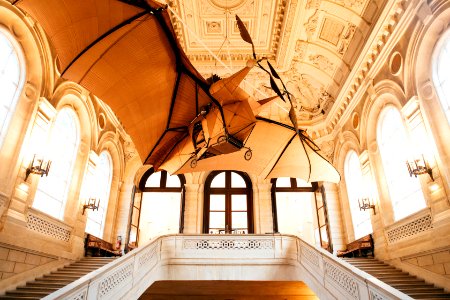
344, 280
114, 280
49, 227
409, 229
228, 244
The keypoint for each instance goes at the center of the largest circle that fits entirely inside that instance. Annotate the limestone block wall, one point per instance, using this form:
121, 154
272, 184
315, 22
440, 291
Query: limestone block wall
14, 261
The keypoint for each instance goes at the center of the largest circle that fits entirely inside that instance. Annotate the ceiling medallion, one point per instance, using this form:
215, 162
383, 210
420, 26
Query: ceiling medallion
227, 4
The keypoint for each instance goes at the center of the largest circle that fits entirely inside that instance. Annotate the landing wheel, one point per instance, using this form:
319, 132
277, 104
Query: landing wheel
193, 163
221, 139
248, 154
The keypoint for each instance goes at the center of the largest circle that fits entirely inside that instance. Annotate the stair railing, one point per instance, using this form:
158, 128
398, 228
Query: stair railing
227, 257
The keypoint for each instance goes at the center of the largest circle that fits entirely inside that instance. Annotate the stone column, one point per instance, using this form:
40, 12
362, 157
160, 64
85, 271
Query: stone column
262, 208
334, 216
193, 210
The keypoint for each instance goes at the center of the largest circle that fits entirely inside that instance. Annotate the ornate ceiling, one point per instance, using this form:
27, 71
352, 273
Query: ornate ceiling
313, 43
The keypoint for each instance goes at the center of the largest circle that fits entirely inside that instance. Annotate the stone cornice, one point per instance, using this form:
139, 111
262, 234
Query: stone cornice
386, 32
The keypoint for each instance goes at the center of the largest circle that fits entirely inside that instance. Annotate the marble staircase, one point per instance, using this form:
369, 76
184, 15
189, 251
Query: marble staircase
414, 287
52, 282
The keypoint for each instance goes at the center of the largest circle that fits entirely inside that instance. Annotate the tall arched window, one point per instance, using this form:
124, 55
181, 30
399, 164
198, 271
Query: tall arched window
162, 205
12, 76
405, 191
228, 203
441, 73
103, 175
355, 190
52, 191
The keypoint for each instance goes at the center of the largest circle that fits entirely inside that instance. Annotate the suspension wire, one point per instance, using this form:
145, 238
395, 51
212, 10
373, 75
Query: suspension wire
197, 38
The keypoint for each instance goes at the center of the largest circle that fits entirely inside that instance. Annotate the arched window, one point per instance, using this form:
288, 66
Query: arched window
405, 191
161, 209
12, 76
293, 206
355, 190
52, 191
103, 175
228, 203
441, 73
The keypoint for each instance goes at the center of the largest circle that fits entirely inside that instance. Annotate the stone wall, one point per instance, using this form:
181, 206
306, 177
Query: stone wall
14, 261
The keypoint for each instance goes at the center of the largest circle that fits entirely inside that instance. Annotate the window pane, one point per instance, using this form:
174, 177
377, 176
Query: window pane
217, 219
11, 82
239, 202
173, 181
217, 202
283, 182
394, 151
62, 151
239, 219
102, 189
356, 189
160, 214
237, 180
219, 181
135, 216
302, 183
154, 180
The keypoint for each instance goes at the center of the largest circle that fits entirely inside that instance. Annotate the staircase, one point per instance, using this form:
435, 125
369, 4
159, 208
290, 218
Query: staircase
414, 287
49, 283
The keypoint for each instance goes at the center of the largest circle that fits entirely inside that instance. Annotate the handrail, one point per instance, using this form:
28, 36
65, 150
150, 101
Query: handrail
167, 257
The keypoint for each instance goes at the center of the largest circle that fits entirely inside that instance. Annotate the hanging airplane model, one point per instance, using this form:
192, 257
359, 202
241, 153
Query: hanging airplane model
126, 53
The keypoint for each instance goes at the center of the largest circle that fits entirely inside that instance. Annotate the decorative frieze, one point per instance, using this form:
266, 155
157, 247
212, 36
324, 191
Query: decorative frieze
115, 279
47, 227
310, 255
228, 244
409, 229
375, 296
344, 280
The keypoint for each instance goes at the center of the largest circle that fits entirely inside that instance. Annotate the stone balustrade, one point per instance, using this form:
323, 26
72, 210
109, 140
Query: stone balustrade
228, 257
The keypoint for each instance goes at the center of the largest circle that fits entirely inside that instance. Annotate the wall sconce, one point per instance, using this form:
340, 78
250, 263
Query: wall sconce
365, 203
91, 204
38, 166
419, 167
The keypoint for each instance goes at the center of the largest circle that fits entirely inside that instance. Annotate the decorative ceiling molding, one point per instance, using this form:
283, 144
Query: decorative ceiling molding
213, 20
354, 87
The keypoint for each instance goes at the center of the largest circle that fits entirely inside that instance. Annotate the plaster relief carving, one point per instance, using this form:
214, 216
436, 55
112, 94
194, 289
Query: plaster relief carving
357, 4
300, 49
312, 98
213, 27
311, 25
313, 4
321, 62
346, 38
327, 149
129, 150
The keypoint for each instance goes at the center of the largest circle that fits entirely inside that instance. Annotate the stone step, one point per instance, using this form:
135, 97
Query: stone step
409, 280
427, 295
70, 272
6, 297
36, 288
421, 289
27, 293
98, 265
45, 284
61, 277
400, 286
54, 280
